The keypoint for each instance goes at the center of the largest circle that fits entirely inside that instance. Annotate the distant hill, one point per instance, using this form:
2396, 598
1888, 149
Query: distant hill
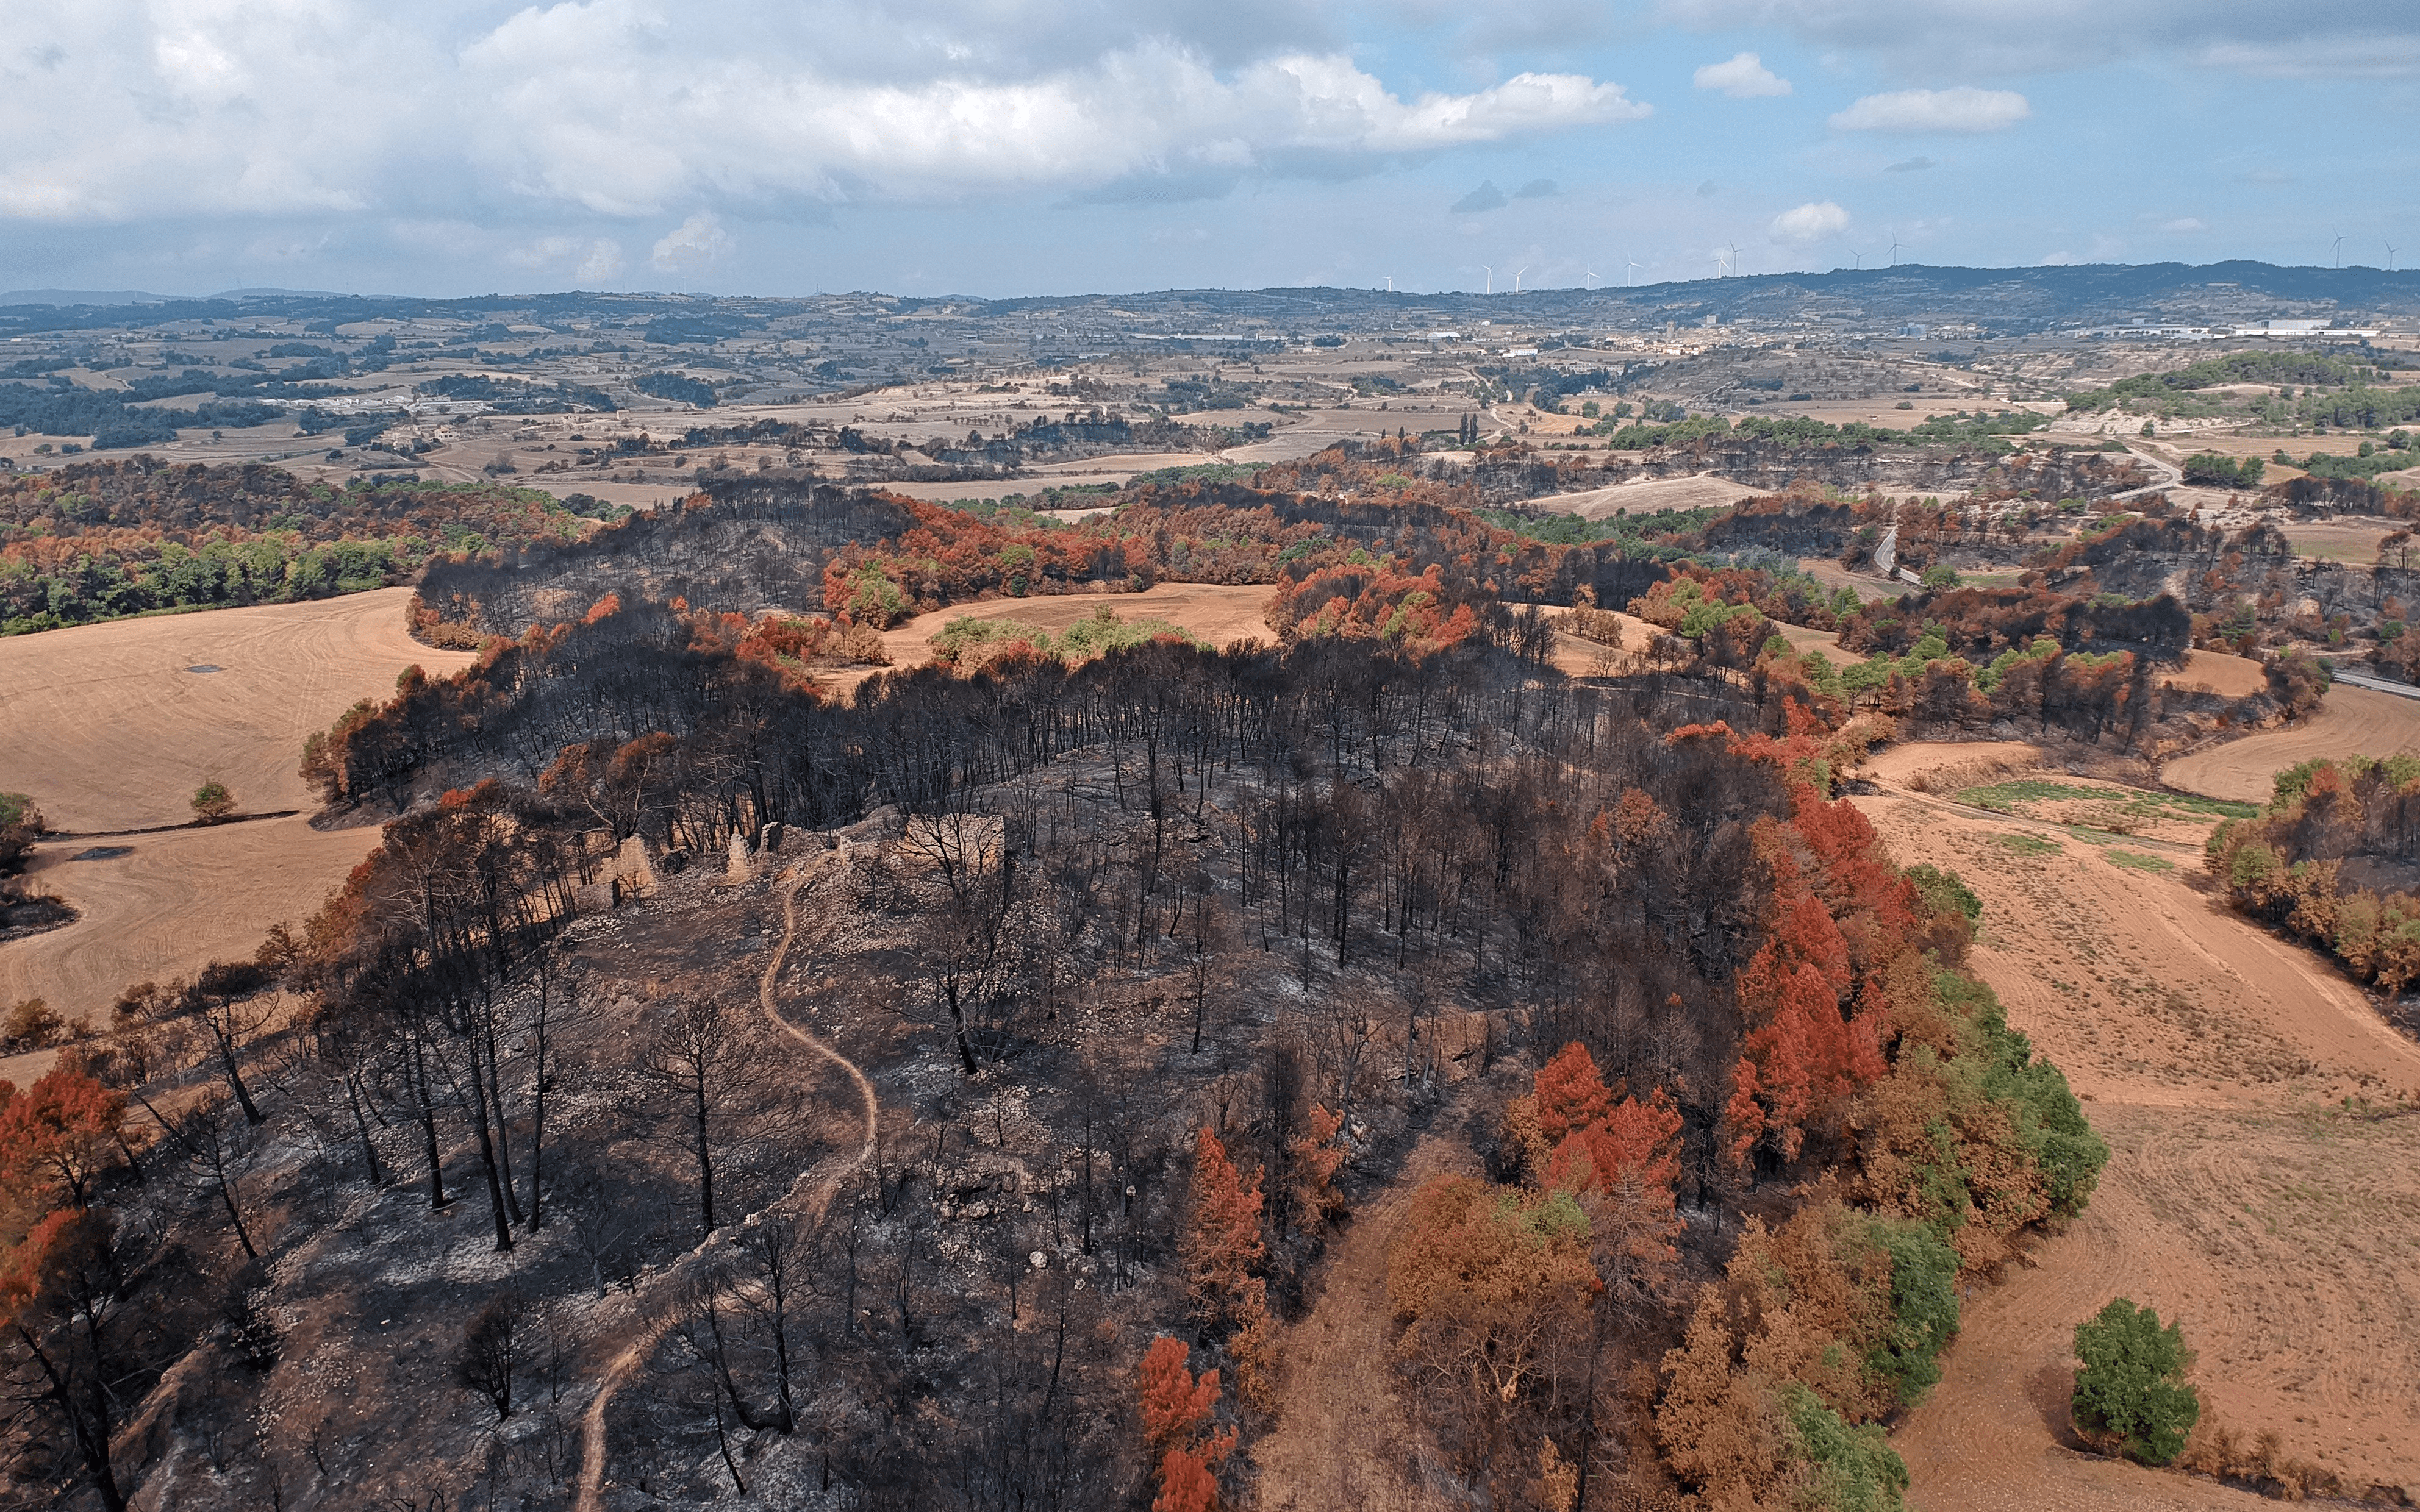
76, 295
2000, 300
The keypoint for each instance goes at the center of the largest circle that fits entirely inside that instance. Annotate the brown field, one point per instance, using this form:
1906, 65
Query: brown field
2245, 1198
2352, 538
109, 732
1219, 613
2232, 677
1216, 612
174, 903
2353, 721
1647, 496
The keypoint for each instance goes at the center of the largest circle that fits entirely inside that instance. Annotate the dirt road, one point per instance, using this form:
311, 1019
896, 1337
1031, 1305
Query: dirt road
1341, 1441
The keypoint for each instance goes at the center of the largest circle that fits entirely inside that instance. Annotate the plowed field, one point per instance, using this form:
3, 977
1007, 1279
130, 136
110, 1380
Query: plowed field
2265, 1128
111, 729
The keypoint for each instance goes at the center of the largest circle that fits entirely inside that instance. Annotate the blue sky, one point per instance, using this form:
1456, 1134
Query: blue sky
1000, 147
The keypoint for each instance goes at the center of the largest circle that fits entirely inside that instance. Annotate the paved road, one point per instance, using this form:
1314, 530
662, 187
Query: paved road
2380, 684
2175, 479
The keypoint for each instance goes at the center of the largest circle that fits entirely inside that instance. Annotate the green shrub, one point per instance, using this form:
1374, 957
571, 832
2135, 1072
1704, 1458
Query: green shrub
1856, 1469
212, 802
1924, 1307
2048, 1118
2131, 1388
1943, 891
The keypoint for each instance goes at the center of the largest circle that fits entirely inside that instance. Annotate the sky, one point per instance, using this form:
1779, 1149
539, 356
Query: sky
1001, 147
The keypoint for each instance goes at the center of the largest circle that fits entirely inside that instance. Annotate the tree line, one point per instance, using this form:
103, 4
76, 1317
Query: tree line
101, 540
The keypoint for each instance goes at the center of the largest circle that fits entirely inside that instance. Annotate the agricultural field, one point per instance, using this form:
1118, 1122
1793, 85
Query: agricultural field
2352, 719
2261, 1121
112, 728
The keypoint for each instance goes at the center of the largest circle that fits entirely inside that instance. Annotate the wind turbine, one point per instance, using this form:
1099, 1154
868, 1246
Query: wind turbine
2337, 253
1895, 245
1491, 277
2390, 256
1588, 280
1516, 277
1734, 246
1629, 268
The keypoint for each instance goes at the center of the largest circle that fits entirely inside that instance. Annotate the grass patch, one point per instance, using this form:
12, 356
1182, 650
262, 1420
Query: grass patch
2192, 805
2028, 845
2003, 797
2136, 861
2093, 837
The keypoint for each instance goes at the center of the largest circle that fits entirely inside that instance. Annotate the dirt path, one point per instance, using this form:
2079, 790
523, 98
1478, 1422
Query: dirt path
1339, 1446
2263, 1163
825, 1178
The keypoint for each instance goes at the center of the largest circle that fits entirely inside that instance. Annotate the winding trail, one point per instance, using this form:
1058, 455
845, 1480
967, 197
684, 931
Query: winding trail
625, 1363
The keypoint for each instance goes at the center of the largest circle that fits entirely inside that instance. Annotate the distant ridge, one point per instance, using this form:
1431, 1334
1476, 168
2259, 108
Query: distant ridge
105, 298
1996, 301
76, 296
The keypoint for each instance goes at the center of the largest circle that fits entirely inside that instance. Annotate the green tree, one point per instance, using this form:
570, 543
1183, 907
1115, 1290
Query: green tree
212, 802
2131, 1387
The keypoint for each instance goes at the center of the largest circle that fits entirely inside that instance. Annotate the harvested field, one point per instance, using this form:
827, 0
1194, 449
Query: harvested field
170, 904
2245, 1198
1647, 496
2352, 720
2353, 539
2228, 676
1217, 612
109, 732
110, 726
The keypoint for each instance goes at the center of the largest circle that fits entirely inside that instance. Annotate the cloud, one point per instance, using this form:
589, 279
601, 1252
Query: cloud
1913, 111
2186, 227
1811, 222
1538, 189
1709, 190
2058, 259
1910, 165
695, 242
1485, 197
630, 109
1744, 77
602, 263
1915, 39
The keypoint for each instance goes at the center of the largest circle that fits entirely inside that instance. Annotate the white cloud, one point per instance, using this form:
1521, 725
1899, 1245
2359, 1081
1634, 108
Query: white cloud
2188, 225
1916, 112
639, 108
1744, 77
697, 240
1811, 222
603, 262
2347, 38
